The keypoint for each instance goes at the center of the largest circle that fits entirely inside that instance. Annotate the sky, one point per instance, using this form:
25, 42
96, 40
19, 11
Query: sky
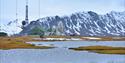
55, 7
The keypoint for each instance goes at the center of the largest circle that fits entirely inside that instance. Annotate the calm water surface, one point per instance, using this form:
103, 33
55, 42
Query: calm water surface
80, 43
61, 54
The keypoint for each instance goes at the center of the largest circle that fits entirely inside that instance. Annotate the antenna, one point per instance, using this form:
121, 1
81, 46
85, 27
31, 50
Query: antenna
39, 8
26, 2
16, 11
0, 15
124, 3
26, 18
26, 21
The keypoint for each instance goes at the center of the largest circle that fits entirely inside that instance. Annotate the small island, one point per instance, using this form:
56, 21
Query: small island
101, 49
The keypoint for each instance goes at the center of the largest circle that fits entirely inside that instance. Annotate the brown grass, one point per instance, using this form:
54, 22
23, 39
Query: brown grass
110, 51
102, 49
18, 42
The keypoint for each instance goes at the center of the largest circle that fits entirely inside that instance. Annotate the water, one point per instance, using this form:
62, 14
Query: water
80, 43
61, 54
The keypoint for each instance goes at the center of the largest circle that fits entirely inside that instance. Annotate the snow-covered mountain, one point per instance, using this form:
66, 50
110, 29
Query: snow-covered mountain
84, 23
12, 27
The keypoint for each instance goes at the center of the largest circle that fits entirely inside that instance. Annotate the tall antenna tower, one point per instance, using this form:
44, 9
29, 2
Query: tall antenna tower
26, 18
39, 8
26, 21
16, 11
124, 3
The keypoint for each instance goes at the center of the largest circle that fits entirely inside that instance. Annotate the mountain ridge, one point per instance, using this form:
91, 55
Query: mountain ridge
84, 24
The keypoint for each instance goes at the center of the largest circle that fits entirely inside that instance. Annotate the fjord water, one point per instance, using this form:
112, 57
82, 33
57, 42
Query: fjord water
62, 54
80, 43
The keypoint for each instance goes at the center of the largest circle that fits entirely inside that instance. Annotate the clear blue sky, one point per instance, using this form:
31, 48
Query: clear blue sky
56, 7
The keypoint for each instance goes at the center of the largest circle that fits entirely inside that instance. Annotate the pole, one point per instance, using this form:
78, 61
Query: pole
16, 11
26, 18
39, 8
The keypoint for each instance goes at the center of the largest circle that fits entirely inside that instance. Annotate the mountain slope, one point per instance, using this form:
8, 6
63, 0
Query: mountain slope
85, 24
12, 27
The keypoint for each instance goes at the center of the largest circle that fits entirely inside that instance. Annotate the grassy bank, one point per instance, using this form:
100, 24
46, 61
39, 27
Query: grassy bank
19, 42
101, 49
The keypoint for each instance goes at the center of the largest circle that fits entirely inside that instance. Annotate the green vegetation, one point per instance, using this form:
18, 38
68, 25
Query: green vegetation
37, 31
101, 49
50, 30
57, 30
3, 34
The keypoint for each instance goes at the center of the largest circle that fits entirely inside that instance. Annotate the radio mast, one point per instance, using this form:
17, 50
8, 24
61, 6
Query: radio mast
26, 18
26, 21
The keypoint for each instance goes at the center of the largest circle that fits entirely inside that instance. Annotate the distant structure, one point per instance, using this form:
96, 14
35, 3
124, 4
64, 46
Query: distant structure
26, 21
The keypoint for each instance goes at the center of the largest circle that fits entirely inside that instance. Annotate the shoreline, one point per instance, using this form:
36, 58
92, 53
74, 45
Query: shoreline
101, 49
20, 42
